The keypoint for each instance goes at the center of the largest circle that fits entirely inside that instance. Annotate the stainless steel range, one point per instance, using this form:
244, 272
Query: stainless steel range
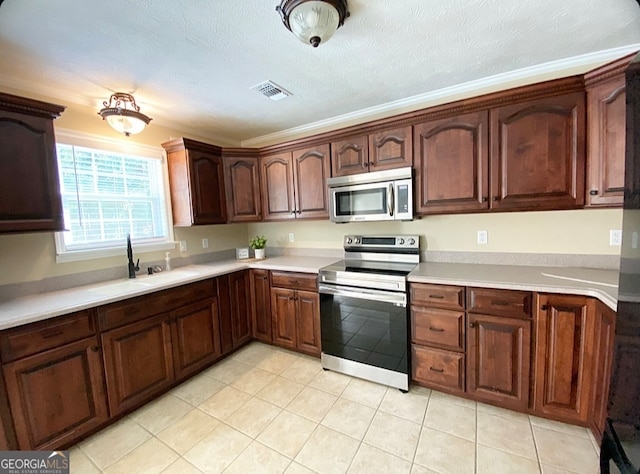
363, 308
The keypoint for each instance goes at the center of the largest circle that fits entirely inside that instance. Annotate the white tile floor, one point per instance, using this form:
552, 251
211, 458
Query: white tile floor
265, 409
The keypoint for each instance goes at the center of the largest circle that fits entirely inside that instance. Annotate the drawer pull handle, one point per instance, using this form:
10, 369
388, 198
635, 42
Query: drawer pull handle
433, 369
436, 297
51, 334
436, 329
130, 311
499, 303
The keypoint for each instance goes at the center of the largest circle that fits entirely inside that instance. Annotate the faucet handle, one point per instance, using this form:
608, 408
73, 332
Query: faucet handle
137, 267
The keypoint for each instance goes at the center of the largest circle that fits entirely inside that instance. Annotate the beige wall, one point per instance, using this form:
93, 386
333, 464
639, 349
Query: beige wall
566, 232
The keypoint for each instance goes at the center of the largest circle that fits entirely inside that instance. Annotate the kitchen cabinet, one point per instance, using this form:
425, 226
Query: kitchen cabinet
242, 185
605, 331
29, 184
196, 182
235, 310
295, 311
376, 151
606, 123
54, 380
7, 433
261, 308
294, 184
538, 154
452, 164
564, 357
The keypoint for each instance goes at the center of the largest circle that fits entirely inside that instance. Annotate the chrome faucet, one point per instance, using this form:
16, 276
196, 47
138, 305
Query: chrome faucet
133, 268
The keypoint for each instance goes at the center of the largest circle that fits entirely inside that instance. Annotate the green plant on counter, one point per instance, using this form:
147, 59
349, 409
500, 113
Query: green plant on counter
258, 242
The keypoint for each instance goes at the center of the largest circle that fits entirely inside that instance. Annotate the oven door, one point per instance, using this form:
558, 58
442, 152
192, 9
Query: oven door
366, 326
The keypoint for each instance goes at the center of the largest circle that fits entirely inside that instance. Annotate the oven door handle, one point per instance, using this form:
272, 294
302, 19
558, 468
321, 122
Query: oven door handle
364, 294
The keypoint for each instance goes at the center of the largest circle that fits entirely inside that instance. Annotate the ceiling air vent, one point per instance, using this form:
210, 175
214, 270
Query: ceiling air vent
271, 90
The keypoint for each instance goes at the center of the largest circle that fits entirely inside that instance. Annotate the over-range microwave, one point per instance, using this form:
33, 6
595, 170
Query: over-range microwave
376, 196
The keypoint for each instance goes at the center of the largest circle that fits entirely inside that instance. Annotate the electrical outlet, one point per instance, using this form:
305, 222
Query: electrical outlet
291, 237
483, 237
205, 243
615, 237
183, 246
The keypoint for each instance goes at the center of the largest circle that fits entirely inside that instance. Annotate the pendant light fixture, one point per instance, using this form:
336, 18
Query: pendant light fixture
123, 114
313, 21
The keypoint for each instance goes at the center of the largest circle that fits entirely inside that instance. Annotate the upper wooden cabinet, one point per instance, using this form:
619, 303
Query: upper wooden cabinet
373, 152
452, 164
29, 183
606, 123
196, 180
294, 184
242, 184
538, 154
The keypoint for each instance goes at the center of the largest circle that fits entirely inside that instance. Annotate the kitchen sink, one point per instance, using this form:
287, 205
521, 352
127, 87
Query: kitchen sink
166, 277
120, 287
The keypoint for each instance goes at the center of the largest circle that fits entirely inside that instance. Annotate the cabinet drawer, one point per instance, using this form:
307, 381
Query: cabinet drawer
135, 309
437, 296
438, 327
37, 337
514, 304
438, 368
295, 281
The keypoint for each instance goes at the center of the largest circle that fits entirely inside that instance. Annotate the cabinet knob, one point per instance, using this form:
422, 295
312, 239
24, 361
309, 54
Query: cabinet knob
167, 321
485, 198
593, 192
365, 165
298, 212
544, 307
293, 212
95, 348
472, 325
494, 198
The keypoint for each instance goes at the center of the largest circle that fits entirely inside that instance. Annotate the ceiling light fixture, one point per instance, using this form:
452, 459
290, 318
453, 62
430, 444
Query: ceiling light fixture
313, 21
123, 114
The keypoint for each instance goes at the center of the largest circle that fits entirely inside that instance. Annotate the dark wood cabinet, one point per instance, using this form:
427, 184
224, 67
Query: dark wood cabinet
284, 317
29, 183
605, 332
294, 184
377, 151
196, 181
308, 322
538, 154
195, 337
56, 395
452, 164
7, 433
261, 308
235, 310
564, 357
606, 122
438, 369
138, 362
242, 184
498, 360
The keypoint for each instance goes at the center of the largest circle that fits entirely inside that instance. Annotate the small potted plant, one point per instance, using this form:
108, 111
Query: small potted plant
258, 243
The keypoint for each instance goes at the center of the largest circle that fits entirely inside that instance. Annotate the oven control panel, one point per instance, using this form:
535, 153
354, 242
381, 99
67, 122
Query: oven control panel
382, 241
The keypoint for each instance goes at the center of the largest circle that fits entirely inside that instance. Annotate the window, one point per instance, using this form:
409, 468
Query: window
107, 195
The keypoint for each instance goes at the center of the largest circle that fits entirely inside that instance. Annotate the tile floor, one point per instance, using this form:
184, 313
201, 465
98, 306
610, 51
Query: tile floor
265, 409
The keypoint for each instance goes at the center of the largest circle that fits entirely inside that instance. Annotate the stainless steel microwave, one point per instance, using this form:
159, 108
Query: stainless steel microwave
377, 196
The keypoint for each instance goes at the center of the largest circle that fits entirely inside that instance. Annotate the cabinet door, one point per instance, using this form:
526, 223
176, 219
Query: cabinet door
261, 310
308, 322
240, 307
138, 362
452, 164
350, 156
499, 360
276, 176
390, 149
310, 173
283, 312
207, 188
242, 182
564, 352
57, 395
605, 331
225, 315
29, 184
606, 115
538, 154
195, 337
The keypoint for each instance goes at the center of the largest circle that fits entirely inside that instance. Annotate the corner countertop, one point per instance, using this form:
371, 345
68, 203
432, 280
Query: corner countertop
600, 284
39, 307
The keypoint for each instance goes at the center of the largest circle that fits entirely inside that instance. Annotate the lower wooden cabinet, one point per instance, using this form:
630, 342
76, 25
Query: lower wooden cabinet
57, 395
439, 369
564, 357
605, 332
498, 360
308, 322
261, 308
235, 310
283, 311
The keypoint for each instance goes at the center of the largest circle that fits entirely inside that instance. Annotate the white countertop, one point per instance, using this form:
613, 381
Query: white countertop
44, 306
600, 284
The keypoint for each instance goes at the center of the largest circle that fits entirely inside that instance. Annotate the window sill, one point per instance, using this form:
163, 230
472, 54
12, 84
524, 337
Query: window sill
79, 255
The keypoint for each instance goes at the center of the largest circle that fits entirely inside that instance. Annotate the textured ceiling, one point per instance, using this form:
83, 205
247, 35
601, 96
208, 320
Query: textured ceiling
190, 63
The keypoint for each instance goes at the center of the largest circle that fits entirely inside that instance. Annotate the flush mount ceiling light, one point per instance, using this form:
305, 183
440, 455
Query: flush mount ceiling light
313, 21
123, 114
